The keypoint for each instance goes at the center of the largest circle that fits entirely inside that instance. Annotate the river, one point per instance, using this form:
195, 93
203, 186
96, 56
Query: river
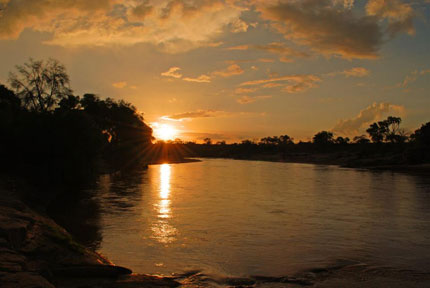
243, 218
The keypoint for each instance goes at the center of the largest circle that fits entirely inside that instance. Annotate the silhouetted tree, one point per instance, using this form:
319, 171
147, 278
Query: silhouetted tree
285, 140
362, 139
376, 133
341, 140
323, 138
387, 130
8, 100
422, 135
40, 85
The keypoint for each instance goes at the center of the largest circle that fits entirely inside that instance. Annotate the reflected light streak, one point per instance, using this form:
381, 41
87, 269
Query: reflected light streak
165, 181
163, 231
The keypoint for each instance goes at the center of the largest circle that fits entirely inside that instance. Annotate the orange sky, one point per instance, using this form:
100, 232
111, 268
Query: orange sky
232, 69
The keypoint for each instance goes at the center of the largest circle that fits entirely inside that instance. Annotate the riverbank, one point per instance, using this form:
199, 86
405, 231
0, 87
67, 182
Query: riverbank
339, 159
36, 252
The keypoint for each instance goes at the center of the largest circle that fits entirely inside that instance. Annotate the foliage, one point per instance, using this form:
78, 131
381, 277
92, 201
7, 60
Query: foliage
362, 139
323, 138
422, 135
387, 130
40, 85
55, 138
275, 140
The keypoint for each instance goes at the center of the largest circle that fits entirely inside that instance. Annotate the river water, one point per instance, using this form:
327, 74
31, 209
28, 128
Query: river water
244, 218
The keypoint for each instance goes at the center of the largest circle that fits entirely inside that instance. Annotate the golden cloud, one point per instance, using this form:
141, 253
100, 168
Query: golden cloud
174, 26
194, 114
231, 70
400, 15
119, 85
290, 83
201, 79
250, 99
370, 114
172, 72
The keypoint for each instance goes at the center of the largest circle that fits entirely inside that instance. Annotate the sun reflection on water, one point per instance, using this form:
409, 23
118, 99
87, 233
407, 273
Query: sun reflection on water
163, 231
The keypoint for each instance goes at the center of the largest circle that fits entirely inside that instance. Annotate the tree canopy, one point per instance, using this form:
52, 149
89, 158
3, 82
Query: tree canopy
40, 85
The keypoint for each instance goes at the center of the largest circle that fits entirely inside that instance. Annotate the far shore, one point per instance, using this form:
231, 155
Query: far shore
340, 162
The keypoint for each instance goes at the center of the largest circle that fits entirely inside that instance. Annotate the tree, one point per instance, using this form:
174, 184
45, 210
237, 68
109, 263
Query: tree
323, 138
40, 85
361, 139
375, 133
285, 139
387, 130
341, 140
422, 135
207, 141
8, 100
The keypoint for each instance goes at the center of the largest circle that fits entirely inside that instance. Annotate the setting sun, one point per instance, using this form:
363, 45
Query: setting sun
164, 131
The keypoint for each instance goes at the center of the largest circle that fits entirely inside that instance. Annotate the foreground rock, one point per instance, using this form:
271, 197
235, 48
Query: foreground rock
36, 252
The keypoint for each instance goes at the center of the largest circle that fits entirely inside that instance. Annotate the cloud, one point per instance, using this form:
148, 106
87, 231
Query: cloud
413, 77
231, 70
272, 85
194, 114
325, 29
358, 72
142, 10
201, 79
370, 114
240, 47
399, 15
241, 90
286, 53
172, 72
174, 26
250, 99
290, 83
119, 85
238, 26
347, 4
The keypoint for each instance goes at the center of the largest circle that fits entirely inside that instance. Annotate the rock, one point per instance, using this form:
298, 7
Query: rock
13, 230
24, 280
91, 271
238, 281
10, 261
298, 281
267, 279
186, 274
146, 281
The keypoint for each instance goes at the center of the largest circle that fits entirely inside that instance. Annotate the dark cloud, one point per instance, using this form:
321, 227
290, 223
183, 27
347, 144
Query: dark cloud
326, 30
194, 114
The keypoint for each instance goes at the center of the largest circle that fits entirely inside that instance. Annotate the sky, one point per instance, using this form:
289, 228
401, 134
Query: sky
236, 69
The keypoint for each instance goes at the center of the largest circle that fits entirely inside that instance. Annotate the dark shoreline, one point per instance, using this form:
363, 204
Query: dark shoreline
404, 168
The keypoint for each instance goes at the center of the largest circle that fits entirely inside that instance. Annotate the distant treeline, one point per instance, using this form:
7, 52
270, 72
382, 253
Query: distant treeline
387, 145
54, 138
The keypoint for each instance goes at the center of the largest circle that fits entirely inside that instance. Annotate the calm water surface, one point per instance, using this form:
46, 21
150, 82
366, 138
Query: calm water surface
245, 218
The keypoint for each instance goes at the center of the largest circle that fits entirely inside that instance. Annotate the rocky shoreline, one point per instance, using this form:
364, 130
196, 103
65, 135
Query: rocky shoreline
36, 252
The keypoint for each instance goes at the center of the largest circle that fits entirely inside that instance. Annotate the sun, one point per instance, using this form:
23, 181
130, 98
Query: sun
164, 131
